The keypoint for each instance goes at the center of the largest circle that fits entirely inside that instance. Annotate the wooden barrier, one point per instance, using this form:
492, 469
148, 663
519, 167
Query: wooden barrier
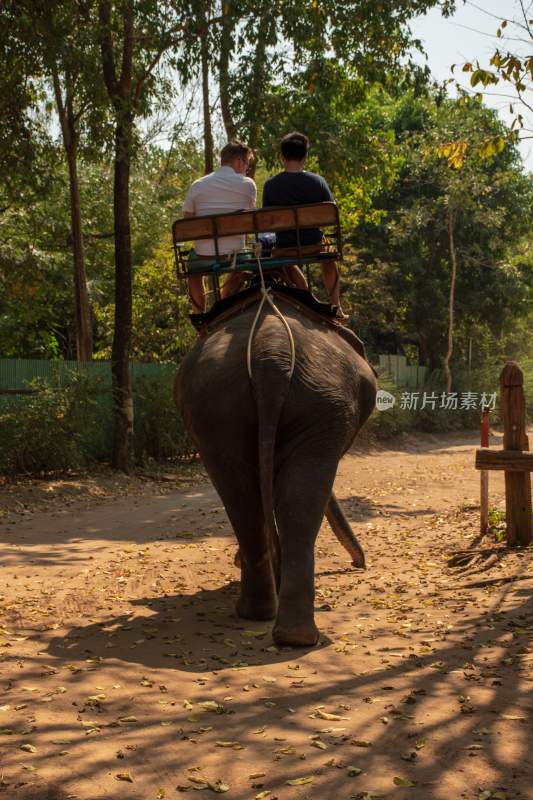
484, 476
516, 463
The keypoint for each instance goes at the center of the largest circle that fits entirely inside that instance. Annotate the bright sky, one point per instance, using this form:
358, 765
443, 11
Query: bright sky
469, 35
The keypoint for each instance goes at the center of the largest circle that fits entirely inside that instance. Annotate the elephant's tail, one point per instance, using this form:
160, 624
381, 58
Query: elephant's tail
343, 531
268, 414
271, 382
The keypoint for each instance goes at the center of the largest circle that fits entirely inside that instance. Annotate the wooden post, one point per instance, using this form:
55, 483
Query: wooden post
484, 476
517, 484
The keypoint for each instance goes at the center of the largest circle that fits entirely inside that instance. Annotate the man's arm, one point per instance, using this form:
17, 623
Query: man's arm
327, 196
252, 199
266, 195
249, 194
188, 209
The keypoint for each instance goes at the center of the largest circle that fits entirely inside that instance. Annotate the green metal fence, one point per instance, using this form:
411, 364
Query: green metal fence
402, 373
16, 374
57, 415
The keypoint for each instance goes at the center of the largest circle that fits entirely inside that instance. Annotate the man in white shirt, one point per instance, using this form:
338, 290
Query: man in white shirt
225, 190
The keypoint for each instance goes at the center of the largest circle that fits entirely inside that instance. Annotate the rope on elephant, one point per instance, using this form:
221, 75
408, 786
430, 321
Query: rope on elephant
267, 298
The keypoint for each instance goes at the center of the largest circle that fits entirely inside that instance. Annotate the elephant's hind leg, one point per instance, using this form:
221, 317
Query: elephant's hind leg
303, 487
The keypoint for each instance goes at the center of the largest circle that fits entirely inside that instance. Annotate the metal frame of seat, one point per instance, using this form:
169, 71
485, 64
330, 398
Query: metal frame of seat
261, 220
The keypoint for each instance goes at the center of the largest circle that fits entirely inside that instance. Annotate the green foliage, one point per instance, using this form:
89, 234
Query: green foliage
397, 420
53, 429
273, 46
69, 427
510, 69
386, 424
161, 327
398, 155
406, 256
35, 283
497, 524
352, 138
36, 277
159, 431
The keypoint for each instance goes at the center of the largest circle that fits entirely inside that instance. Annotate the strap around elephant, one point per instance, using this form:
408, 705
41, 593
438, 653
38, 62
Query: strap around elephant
267, 297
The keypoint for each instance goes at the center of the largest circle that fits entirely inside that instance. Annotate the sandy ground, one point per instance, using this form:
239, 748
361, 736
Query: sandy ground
124, 672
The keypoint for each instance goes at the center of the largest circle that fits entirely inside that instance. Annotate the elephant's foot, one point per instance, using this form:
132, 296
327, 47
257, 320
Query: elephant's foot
251, 608
302, 635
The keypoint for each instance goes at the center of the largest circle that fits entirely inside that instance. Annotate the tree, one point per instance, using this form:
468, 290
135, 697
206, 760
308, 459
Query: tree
67, 57
263, 46
445, 231
36, 312
26, 148
352, 141
135, 39
57, 53
510, 69
131, 48
225, 50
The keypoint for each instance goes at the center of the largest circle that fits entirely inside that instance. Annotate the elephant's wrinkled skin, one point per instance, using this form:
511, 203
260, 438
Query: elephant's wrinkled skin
271, 446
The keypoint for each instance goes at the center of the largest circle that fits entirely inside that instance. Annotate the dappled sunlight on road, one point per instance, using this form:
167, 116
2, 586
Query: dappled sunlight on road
126, 673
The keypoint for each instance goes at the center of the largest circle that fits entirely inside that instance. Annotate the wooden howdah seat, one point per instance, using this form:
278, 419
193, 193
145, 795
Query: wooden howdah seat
252, 223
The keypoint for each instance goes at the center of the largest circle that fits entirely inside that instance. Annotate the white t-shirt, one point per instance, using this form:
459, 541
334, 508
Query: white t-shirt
221, 191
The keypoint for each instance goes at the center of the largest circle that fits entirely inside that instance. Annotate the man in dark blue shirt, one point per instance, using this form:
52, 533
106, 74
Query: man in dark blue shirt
296, 186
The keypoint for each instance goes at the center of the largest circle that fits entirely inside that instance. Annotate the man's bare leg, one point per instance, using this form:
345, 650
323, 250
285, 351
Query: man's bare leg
233, 284
331, 279
294, 275
197, 294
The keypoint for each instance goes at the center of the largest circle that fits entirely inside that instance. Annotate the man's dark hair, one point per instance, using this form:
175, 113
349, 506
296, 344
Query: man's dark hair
234, 149
295, 146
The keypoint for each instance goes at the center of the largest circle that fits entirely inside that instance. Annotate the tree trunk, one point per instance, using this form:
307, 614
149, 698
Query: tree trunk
84, 339
451, 304
423, 350
123, 453
121, 95
258, 80
226, 47
84, 336
208, 133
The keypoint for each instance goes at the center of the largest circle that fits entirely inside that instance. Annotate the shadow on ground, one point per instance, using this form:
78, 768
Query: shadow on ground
457, 732
195, 633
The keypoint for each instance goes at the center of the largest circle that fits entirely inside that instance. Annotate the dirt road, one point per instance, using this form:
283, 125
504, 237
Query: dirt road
124, 672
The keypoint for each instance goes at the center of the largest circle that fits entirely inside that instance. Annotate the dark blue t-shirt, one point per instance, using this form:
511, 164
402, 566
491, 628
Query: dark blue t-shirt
292, 189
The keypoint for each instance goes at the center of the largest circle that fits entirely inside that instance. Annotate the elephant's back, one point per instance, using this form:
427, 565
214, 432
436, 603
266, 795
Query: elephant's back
330, 377
327, 375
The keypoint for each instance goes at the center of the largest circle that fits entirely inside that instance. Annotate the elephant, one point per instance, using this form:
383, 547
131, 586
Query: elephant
272, 397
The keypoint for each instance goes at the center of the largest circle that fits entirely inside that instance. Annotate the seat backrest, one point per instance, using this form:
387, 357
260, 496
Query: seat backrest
261, 220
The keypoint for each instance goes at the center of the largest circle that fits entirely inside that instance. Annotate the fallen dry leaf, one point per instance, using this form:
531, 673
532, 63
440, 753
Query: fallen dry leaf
233, 745
319, 744
329, 717
403, 782
212, 705
353, 772
124, 776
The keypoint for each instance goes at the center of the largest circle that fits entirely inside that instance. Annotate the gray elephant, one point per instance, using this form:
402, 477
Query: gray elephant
272, 401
